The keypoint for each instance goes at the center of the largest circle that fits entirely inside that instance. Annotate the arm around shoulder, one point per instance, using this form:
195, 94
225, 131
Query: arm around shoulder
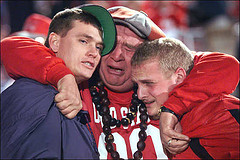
24, 57
213, 73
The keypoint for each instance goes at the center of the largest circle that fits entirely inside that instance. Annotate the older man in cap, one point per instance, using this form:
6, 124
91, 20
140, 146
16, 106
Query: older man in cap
121, 124
31, 125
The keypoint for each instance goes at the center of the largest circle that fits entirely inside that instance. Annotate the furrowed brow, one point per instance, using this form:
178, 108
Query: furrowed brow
131, 46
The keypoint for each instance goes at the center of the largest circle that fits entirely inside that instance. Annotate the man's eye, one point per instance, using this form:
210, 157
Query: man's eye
148, 83
130, 49
100, 48
83, 41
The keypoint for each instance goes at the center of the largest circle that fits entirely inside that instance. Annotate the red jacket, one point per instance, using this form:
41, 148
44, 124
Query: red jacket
210, 116
214, 76
213, 73
40, 63
126, 138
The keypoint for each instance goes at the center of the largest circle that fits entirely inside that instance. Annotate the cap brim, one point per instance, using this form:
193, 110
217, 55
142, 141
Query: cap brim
107, 23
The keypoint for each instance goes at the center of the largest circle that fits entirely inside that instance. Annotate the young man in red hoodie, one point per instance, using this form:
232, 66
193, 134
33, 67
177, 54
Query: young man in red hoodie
167, 73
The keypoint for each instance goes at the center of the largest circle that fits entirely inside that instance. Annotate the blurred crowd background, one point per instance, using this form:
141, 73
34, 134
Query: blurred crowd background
201, 25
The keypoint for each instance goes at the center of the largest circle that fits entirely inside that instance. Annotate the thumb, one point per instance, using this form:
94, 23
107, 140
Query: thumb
59, 97
179, 136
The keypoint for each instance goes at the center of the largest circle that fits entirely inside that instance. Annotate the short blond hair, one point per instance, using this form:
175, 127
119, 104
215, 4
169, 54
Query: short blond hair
170, 52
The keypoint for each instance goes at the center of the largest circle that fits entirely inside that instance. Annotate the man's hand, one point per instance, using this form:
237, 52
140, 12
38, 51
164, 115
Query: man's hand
68, 99
170, 129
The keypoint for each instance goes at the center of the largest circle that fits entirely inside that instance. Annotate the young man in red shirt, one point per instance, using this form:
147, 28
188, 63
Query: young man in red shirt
167, 74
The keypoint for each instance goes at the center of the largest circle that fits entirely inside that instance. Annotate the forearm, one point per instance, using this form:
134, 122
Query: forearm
24, 57
212, 74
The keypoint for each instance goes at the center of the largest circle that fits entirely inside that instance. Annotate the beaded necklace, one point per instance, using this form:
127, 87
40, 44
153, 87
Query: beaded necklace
101, 101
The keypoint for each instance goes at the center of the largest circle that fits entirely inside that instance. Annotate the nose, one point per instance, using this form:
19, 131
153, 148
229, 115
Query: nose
142, 92
117, 54
93, 51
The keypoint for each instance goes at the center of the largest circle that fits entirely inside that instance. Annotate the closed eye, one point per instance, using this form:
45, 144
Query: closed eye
130, 47
82, 41
148, 83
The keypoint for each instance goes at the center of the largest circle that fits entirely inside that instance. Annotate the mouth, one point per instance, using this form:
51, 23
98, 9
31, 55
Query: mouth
88, 64
115, 70
148, 103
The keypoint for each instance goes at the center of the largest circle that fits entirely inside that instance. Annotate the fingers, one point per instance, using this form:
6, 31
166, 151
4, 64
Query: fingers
170, 131
72, 114
175, 142
179, 136
67, 110
176, 146
68, 105
168, 134
63, 100
60, 97
68, 100
70, 111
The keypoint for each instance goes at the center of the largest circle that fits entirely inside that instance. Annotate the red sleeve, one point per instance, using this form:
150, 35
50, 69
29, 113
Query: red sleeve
24, 57
213, 73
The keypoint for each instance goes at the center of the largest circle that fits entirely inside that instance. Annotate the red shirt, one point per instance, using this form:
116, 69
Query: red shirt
206, 80
47, 68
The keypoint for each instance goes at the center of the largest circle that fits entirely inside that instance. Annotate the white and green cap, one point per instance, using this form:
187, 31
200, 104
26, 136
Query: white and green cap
107, 23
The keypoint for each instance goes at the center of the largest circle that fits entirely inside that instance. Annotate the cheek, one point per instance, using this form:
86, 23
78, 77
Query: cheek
155, 92
128, 56
128, 67
161, 98
160, 94
104, 60
98, 59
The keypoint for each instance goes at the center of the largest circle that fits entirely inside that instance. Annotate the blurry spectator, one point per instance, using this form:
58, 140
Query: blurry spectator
5, 20
36, 27
50, 8
136, 5
217, 19
18, 12
233, 10
105, 4
170, 16
220, 22
201, 12
43, 7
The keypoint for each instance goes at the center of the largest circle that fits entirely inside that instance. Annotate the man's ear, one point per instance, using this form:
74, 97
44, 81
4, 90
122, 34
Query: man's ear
181, 75
54, 41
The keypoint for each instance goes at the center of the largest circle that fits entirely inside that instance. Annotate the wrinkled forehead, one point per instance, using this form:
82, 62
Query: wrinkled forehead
127, 35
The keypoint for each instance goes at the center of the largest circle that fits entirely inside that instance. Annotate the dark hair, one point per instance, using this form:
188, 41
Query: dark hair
62, 22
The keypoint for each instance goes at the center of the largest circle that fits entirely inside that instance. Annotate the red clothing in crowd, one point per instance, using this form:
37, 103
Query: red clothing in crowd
202, 100
161, 12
